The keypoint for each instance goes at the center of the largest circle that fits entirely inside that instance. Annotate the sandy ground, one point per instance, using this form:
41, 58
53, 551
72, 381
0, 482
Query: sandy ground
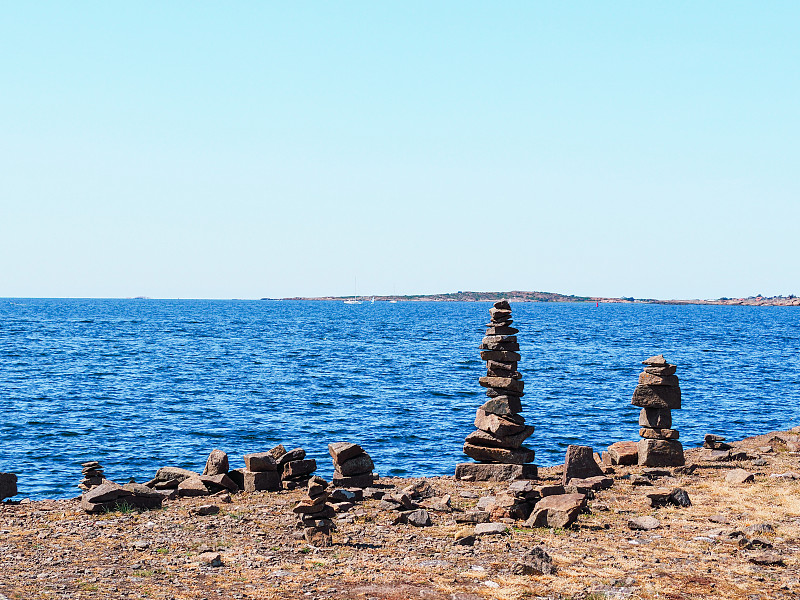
716, 548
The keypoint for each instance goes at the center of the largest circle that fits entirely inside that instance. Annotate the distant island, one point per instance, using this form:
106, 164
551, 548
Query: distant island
520, 296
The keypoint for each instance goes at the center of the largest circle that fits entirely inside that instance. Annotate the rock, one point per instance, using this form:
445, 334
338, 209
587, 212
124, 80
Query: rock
358, 465
502, 305
291, 456
357, 481
502, 383
218, 483
473, 516
660, 453
759, 528
299, 468
557, 511
500, 355
739, 476
482, 529
599, 482
497, 425
500, 314
680, 497
277, 452
646, 523
550, 490
343, 495
515, 456
255, 481
650, 379
623, 453
418, 518
501, 330
217, 463
579, 463
657, 396
342, 451
512, 442
192, 486
106, 492
8, 485
205, 510
467, 540
770, 559
495, 472
210, 559
536, 562
173, 474
656, 361
655, 418
661, 371
502, 405
260, 462
659, 434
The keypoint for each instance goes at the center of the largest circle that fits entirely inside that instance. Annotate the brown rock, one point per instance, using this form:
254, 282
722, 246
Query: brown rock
193, 486
501, 330
497, 314
500, 355
557, 511
518, 456
503, 383
661, 371
495, 472
106, 492
497, 425
217, 463
502, 346
657, 396
299, 468
739, 476
217, 483
260, 461
356, 481
660, 453
292, 455
256, 481
482, 438
342, 451
277, 452
657, 418
579, 463
167, 474
502, 305
623, 453
503, 405
650, 379
659, 434
358, 465
656, 361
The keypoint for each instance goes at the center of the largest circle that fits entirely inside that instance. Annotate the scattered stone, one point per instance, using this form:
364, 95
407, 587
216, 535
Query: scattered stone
623, 453
646, 523
759, 528
482, 529
205, 510
739, 476
210, 559
418, 518
579, 463
217, 463
557, 511
715, 442
536, 562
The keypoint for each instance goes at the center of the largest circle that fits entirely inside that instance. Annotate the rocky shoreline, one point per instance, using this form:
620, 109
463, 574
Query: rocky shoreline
724, 525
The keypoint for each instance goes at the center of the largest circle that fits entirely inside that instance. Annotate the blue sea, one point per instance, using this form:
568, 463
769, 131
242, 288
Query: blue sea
140, 384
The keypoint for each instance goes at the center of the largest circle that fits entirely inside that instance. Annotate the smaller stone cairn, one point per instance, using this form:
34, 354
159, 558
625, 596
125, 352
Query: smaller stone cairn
352, 465
315, 514
294, 468
92, 475
658, 394
501, 430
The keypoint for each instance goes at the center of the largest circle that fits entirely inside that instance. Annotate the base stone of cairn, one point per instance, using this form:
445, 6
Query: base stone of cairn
352, 465
260, 473
501, 430
92, 475
8, 485
658, 394
315, 514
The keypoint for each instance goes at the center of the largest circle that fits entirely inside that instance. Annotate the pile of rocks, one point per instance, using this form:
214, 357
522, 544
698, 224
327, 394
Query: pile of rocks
92, 475
658, 394
294, 468
352, 465
501, 430
112, 496
315, 514
175, 481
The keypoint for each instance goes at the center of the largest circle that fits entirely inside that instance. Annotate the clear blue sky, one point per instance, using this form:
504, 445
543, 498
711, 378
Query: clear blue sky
241, 150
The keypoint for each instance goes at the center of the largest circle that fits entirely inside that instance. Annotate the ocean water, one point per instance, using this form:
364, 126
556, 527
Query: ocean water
140, 384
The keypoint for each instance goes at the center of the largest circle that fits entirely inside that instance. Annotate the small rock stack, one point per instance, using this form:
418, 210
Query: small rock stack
295, 469
92, 475
352, 465
501, 429
658, 394
315, 514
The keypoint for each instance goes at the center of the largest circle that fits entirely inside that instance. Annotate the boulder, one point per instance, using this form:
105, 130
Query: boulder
291, 456
8, 485
356, 481
579, 463
277, 452
739, 476
192, 486
656, 361
260, 461
623, 453
657, 396
172, 475
646, 523
106, 492
217, 463
536, 562
557, 511
482, 529
516, 456
217, 483
495, 471
660, 453
299, 468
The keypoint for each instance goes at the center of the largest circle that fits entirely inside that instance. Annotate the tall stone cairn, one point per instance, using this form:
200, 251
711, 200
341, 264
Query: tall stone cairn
501, 430
658, 394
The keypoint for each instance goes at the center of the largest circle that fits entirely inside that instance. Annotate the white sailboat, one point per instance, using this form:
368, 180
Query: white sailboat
355, 298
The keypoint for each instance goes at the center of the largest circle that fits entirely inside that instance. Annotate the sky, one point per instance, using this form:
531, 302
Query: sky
266, 149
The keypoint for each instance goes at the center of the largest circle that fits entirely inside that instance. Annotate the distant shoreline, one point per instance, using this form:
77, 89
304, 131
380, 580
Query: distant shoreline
520, 296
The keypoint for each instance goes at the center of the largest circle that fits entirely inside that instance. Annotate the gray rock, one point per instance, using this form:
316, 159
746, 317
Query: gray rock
210, 559
299, 468
656, 361
501, 356
579, 463
192, 486
482, 529
473, 516
557, 511
502, 305
739, 476
661, 371
646, 523
106, 492
503, 383
536, 562
255, 481
680, 497
419, 518
358, 465
277, 452
356, 481
217, 463
482, 438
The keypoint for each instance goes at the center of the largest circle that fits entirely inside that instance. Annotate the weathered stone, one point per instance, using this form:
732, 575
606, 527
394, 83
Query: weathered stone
657, 396
502, 305
550, 490
659, 434
502, 373
502, 405
481, 438
192, 486
715, 442
358, 465
344, 495
501, 330
277, 452
536, 562
646, 523
305, 507
503, 383
661, 371
662, 497
174, 474
342, 451
739, 476
650, 379
557, 511
260, 461
623, 453
497, 425
210, 559
217, 483
497, 314
660, 453
598, 482
217, 463
500, 355
316, 486
357, 481
8, 485
142, 491
656, 418
656, 361
256, 481
473, 516
495, 472
579, 463
291, 456
482, 529
205, 510
105, 493
418, 518
97, 507
680, 497
502, 346
299, 468
498, 339
514, 456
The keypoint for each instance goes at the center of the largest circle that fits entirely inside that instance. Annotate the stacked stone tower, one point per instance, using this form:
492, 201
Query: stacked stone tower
501, 430
658, 394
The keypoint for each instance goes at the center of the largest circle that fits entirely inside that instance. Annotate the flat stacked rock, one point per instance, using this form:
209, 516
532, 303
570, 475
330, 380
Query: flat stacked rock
658, 394
92, 475
352, 465
315, 514
260, 473
112, 496
294, 469
501, 430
